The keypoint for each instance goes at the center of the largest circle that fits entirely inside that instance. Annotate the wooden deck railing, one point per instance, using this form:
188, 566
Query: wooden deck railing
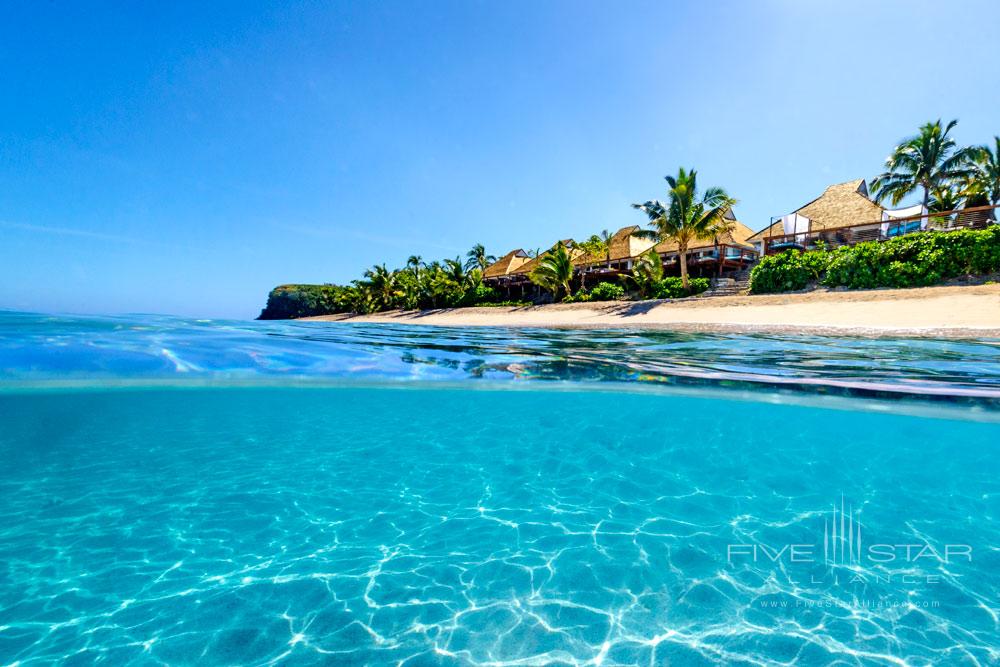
976, 217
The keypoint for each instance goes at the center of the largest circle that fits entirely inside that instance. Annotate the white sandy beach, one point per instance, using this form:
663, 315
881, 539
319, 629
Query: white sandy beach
965, 311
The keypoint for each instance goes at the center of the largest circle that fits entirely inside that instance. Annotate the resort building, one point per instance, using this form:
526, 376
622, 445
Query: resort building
841, 206
724, 256
845, 214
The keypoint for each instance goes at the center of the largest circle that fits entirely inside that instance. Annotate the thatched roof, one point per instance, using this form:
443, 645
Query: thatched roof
739, 234
623, 244
530, 265
506, 264
840, 205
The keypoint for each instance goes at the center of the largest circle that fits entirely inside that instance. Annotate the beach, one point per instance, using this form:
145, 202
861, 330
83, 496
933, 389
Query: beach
954, 311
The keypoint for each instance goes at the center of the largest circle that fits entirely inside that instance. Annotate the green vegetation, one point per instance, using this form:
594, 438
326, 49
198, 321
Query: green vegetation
673, 288
647, 274
949, 177
291, 301
446, 284
930, 161
984, 183
914, 260
684, 217
554, 271
598, 245
601, 292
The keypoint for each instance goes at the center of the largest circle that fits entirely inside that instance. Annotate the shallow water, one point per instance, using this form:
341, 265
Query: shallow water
168, 506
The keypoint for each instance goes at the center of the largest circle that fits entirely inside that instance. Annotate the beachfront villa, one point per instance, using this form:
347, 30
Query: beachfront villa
840, 213
845, 214
727, 255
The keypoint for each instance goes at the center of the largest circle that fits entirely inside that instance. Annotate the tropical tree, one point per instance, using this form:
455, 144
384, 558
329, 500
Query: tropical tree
446, 284
928, 161
382, 284
413, 263
362, 298
478, 259
647, 272
984, 182
598, 245
456, 272
554, 271
945, 199
686, 217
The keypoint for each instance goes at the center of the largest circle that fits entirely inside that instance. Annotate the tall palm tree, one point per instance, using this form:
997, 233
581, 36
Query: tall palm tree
985, 178
929, 160
554, 271
685, 217
478, 259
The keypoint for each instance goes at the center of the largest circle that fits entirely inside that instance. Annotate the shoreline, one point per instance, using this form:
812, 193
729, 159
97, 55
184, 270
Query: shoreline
952, 311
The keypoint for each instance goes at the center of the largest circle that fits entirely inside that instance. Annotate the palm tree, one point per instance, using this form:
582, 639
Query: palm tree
382, 283
684, 217
945, 199
554, 271
984, 182
929, 160
413, 263
478, 259
647, 271
455, 271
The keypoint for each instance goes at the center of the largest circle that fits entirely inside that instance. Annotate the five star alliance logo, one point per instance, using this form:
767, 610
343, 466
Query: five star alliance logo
842, 546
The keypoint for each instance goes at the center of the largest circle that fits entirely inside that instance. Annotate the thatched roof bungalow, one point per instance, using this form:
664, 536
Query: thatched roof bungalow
623, 247
571, 248
507, 264
841, 205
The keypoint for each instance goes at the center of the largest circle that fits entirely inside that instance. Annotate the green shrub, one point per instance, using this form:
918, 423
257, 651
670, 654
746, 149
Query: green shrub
788, 271
482, 295
673, 288
607, 292
913, 260
580, 297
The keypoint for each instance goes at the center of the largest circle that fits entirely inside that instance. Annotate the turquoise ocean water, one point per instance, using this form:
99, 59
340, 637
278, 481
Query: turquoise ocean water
180, 492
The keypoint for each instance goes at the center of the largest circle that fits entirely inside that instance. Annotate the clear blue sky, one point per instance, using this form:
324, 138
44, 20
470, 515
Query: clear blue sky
186, 157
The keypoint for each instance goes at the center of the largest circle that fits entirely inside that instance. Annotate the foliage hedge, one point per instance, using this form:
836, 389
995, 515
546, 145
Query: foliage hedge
914, 260
673, 288
601, 292
607, 292
292, 301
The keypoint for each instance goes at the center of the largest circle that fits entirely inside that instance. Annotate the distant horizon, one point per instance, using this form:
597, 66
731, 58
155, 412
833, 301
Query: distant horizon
184, 160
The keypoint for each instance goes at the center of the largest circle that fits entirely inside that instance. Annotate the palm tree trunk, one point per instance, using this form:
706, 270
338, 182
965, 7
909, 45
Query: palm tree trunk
682, 251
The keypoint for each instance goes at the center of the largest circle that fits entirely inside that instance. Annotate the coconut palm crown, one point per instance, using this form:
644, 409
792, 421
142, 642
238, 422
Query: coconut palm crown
478, 259
929, 161
686, 217
554, 271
